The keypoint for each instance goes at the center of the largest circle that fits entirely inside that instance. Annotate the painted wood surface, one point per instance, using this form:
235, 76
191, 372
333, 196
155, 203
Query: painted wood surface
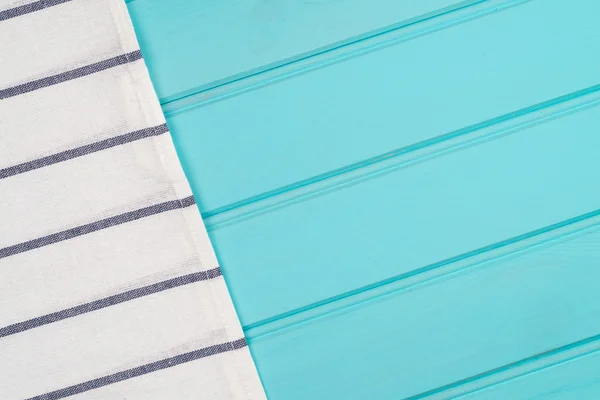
404, 196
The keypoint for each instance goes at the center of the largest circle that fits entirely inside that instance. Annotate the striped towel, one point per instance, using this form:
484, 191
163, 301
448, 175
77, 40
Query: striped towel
109, 287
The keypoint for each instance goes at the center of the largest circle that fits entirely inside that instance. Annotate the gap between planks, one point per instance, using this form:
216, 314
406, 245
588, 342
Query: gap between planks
400, 32
427, 275
404, 157
517, 369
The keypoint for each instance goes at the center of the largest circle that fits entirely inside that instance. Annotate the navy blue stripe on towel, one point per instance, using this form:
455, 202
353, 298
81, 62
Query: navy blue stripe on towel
109, 301
96, 226
83, 150
69, 75
143, 370
29, 8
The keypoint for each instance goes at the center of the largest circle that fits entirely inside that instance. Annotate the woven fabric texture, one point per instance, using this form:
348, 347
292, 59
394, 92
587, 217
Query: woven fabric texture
109, 286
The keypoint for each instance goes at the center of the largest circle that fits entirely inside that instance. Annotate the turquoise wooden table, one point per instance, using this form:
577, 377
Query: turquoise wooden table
404, 195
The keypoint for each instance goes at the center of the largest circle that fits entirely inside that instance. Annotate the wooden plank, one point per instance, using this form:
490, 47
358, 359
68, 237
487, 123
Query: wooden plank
426, 339
292, 130
191, 45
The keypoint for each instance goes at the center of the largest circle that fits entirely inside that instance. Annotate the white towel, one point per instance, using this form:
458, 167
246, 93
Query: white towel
109, 287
